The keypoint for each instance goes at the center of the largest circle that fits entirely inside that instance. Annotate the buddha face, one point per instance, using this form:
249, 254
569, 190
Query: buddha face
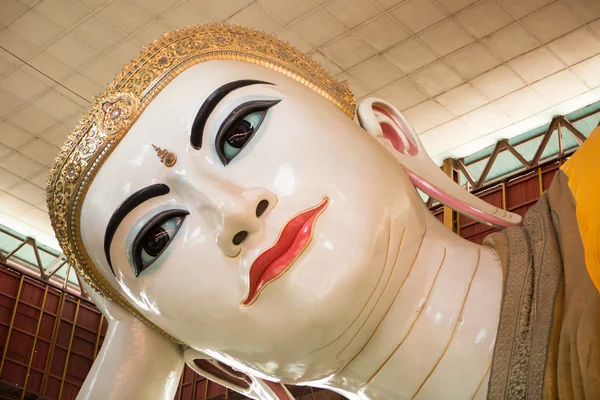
264, 240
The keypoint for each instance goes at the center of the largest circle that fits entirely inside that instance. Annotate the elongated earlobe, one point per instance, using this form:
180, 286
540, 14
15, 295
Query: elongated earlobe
248, 385
386, 123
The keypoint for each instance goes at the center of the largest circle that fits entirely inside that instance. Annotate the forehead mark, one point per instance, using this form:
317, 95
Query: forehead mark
165, 156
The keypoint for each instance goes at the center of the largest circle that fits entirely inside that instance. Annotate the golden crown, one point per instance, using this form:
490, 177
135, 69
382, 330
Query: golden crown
113, 114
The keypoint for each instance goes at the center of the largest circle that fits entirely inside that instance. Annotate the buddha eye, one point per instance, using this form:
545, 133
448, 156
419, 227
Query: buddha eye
155, 237
239, 127
240, 132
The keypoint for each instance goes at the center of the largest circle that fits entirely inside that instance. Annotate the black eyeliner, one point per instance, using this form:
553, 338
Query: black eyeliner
160, 218
239, 112
210, 104
130, 203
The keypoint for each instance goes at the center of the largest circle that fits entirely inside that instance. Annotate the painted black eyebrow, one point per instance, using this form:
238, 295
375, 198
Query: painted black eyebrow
137, 198
209, 105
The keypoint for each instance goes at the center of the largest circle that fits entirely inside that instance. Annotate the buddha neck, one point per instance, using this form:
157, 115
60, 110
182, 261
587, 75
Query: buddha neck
438, 309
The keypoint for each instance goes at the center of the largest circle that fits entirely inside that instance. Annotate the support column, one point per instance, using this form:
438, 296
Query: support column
450, 216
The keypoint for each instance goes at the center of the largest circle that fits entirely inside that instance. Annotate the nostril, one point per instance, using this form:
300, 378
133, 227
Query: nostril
240, 237
261, 208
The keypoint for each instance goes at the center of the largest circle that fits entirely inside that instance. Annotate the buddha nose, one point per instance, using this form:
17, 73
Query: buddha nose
241, 218
235, 213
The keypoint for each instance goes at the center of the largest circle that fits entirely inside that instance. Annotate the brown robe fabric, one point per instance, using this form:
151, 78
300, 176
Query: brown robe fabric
548, 343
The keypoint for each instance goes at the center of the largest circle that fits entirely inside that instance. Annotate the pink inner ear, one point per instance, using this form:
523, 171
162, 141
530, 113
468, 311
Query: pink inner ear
390, 133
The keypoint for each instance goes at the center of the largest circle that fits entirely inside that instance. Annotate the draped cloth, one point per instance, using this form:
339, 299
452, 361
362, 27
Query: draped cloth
548, 342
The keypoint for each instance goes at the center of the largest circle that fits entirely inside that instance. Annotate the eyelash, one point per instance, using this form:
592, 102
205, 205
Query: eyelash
152, 227
240, 114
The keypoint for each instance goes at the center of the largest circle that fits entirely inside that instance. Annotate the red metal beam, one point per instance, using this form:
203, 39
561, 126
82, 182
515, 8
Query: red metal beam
578, 136
515, 153
545, 140
461, 166
488, 165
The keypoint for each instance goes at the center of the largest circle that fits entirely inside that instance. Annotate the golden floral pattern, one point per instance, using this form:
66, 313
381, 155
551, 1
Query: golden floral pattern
117, 113
72, 172
113, 114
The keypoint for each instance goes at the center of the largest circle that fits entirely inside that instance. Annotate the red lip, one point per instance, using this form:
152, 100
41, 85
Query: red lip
293, 240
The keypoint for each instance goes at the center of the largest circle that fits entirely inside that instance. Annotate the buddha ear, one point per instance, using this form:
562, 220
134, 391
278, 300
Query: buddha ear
392, 129
247, 385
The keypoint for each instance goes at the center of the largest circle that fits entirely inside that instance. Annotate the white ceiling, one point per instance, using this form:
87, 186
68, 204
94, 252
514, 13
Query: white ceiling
465, 72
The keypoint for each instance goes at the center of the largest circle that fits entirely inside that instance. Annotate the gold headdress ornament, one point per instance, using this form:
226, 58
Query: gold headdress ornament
113, 114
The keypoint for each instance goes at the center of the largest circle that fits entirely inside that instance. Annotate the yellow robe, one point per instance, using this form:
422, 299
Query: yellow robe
583, 170
548, 342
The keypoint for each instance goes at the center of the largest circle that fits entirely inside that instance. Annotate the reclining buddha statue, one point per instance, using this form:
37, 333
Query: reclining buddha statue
225, 210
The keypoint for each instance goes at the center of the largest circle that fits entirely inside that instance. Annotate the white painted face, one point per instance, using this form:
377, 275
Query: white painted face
304, 154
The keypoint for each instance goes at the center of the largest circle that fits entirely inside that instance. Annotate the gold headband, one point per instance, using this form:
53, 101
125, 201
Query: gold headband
113, 114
